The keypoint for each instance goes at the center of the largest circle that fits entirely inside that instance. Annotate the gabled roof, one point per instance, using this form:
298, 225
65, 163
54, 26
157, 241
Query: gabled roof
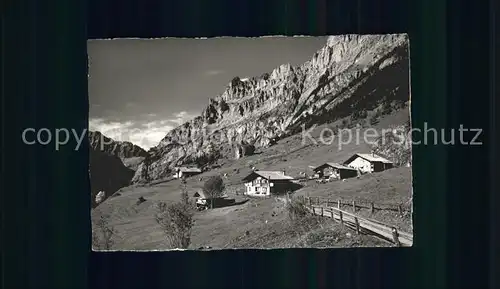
335, 165
200, 194
369, 157
189, 170
268, 175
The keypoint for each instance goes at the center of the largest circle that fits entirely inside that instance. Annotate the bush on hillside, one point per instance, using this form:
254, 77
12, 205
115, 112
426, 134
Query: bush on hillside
103, 235
214, 188
296, 210
177, 221
301, 220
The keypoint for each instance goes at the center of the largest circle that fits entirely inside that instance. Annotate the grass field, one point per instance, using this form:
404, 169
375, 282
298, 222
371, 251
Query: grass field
262, 223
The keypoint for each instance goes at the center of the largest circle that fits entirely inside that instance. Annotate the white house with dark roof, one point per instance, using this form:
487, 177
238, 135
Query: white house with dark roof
186, 172
368, 163
265, 183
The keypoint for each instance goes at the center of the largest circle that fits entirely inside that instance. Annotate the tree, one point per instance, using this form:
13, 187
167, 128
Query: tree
176, 222
185, 197
213, 188
103, 234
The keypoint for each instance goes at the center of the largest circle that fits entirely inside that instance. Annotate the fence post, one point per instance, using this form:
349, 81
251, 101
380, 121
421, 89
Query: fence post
395, 237
400, 209
339, 204
341, 218
322, 213
353, 205
357, 225
372, 207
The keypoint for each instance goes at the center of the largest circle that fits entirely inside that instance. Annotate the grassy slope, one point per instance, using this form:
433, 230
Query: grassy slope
226, 227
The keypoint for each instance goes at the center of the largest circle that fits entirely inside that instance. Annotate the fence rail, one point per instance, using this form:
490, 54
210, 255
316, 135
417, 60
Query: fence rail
362, 225
360, 204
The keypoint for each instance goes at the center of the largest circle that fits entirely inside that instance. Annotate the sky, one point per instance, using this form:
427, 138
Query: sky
139, 89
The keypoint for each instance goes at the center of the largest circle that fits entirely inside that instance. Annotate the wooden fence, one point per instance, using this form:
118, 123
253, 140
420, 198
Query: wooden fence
356, 204
360, 224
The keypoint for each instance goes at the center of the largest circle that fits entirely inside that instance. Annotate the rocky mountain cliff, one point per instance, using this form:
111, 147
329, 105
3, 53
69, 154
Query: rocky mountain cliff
121, 149
395, 145
129, 153
350, 73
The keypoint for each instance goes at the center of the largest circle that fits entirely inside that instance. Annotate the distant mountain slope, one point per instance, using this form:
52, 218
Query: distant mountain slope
107, 173
131, 154
351, 73
121, 149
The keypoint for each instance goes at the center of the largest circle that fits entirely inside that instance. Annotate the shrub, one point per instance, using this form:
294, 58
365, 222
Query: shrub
103, 234
296, 210
176, 220
301, 220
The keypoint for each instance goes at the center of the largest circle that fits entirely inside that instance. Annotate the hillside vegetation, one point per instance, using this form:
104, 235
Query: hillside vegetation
245, 225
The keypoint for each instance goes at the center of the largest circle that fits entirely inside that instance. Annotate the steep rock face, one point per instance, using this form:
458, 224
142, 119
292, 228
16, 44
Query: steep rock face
351, 72
395, 145
131, 155
121, 149
107, 173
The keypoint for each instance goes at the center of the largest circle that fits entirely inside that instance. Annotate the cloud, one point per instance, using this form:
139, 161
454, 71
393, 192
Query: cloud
145, 134
214, 72
182, 117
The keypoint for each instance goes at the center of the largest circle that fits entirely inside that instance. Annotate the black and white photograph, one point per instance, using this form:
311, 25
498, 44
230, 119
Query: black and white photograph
250, 143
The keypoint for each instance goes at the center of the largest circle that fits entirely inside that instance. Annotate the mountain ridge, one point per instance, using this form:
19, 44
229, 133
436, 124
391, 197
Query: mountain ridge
351, 72
121, 149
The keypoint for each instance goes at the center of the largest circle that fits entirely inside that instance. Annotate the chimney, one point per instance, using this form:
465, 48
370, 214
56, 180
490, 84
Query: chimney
283, 172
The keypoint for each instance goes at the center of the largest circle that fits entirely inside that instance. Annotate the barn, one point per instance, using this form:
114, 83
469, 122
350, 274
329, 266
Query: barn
186, 172
202, 200
265, 183
335, 171
368, 163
